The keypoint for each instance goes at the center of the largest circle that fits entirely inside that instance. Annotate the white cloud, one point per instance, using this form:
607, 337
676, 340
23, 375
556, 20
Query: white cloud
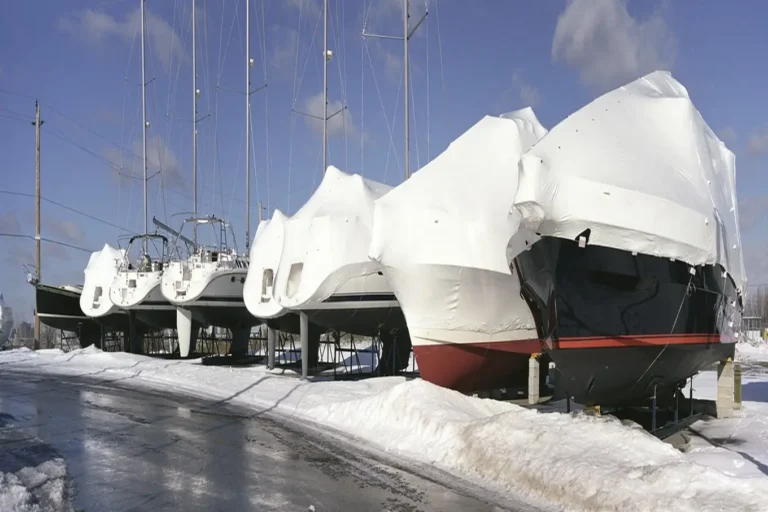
64, 230
393, 66
96, 26
282, 56
728, 134
757, 144
529, 95
518, 95
9, 223
19, 255
388, 14
52, 226
607, 46
159, 158
308, 7
337, 124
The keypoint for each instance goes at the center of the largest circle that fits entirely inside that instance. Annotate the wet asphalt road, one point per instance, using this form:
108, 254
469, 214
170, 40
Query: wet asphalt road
131, 450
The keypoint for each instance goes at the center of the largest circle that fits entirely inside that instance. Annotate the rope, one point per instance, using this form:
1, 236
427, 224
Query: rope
440, 51
674, 324
413, 108
383, 109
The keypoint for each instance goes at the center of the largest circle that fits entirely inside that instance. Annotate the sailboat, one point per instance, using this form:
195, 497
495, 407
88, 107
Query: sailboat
266, 252
324, 271
207, 287
445, 239
136, 284
324, 267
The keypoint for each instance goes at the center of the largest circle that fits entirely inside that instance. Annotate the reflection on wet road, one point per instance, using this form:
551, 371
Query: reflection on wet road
130, 450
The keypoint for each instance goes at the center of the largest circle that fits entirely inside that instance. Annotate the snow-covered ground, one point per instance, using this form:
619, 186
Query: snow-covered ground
737, 446
33, 477
39, 489
573, 462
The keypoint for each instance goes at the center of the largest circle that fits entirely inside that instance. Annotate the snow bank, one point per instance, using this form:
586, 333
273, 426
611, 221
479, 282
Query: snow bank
581, 462
752, 351
40, 489
574, 462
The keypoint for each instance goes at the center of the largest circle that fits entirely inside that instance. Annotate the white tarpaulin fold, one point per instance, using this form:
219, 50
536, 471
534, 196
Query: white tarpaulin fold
325, 244
446, 237
641, 169
99, 274
264, 260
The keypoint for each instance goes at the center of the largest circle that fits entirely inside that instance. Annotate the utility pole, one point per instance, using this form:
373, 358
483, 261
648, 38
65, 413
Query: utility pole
38, 123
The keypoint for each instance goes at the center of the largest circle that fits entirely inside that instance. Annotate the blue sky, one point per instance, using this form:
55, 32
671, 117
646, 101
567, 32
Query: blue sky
81, 59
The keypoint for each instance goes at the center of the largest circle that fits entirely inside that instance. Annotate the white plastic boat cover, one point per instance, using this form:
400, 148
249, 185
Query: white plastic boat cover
644, 172
99, 274
446, 237
326, 242
262, 268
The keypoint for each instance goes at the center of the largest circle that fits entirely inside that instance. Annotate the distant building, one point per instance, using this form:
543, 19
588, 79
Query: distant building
6, 321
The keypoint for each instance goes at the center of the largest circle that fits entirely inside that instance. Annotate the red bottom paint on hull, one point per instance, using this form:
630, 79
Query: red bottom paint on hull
471, 367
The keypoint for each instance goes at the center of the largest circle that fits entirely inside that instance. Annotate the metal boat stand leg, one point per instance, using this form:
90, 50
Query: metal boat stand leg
135, 339
304, 333
271, 337
653, 410
186, 330
690, 399
240, 338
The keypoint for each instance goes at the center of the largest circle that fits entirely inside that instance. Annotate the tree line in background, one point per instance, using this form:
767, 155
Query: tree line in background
756, 304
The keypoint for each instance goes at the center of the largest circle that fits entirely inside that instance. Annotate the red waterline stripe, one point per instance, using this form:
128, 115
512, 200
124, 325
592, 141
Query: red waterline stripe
637, 341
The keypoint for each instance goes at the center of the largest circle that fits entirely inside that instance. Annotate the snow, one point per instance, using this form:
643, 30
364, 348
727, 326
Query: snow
40, 489
568, 461
752, 351
736, 446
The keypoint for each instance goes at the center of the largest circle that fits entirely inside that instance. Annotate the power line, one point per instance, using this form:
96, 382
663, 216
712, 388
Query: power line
66, 139
47, 240
106, 161
20, 95
73, 210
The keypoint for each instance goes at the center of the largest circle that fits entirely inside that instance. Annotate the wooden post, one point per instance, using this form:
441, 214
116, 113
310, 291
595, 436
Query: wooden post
725, 381
533, 379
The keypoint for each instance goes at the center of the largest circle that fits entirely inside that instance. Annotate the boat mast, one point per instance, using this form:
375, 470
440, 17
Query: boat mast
144, 129
325, 85
247, 125
406, 35
195, 94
